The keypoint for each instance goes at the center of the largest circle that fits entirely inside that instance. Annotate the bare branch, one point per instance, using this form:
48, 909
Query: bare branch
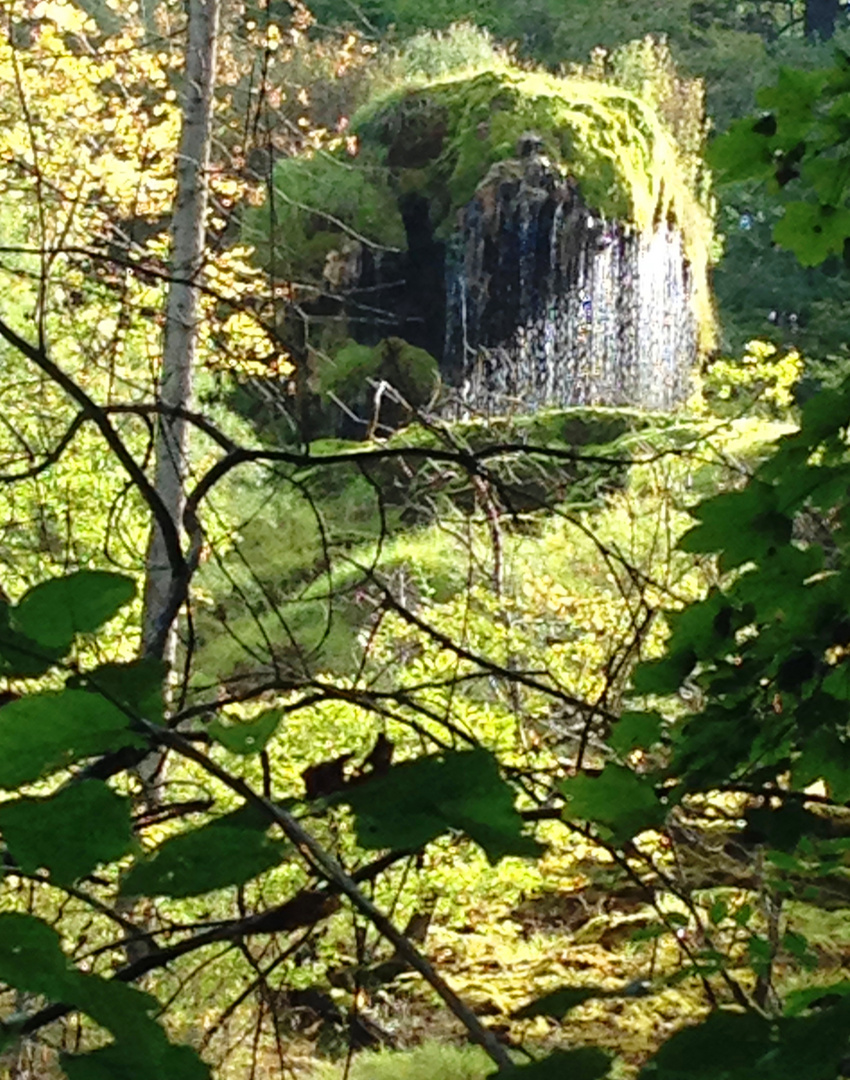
91, 410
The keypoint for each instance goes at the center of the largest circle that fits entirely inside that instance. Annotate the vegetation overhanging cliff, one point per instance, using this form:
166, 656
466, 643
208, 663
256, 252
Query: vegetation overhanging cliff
438, 144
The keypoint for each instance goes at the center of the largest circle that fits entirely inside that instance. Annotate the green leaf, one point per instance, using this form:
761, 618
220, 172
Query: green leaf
779, 578
141, 1048
824, 1028
617, 799
126, 1011
227, 852
783, 861
32, 960
45, 732
246, 738
54, 611
829, 178
726, 1045
649, 933
718, 912
68, 833
825, 757
743, 525
135, 686
586, 1063
760, 952
557, 1003
636, 730
781, 827
744, 1046
742, 153
824, 414
698, 969
122, 1061
19, 656
703, 626
416, 801
837, 683
743, 915
711, 745
798, 946
813, 232
31, 957
793, 99
664, 676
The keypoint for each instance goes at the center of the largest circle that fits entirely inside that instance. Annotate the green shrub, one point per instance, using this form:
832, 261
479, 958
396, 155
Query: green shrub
318, 203
761, 383
435, 54
432, 1061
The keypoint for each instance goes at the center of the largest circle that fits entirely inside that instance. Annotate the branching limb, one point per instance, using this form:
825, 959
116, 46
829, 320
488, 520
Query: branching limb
330, 870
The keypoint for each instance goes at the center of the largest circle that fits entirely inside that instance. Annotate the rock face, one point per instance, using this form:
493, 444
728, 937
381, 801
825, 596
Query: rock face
547, 304
535, 300
553, 263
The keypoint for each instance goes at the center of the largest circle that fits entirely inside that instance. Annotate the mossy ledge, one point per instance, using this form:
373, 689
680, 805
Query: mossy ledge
441, 138
595, 205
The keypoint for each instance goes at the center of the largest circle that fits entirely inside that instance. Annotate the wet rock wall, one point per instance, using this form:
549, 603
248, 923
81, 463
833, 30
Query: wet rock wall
548, 304
535, 300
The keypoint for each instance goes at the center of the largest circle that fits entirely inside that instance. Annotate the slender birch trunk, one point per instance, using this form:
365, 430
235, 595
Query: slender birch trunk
181, 322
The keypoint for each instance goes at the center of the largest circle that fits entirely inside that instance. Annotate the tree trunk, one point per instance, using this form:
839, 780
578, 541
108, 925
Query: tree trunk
163, 577
175, 389
821, 16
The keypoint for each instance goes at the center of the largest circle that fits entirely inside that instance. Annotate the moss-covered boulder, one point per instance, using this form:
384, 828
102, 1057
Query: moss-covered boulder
380, 385
442, 138
545, 238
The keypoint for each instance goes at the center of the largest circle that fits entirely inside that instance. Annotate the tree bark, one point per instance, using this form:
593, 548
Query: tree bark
821, 16
180, 340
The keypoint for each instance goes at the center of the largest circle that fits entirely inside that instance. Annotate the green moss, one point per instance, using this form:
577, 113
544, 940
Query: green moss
576, 427
412, 371
431, 1061
348, 370
611, 141
317, 203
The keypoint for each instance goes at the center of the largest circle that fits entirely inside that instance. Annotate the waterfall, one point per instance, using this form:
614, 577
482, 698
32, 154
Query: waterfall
548, 304
534, 300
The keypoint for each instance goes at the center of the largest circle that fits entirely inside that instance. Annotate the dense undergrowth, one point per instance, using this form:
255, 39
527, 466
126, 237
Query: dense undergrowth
570, 580
573, 583
423, 526
564, 694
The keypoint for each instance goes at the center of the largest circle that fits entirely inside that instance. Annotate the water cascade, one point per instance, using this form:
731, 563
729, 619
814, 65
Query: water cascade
549, 304
545, 240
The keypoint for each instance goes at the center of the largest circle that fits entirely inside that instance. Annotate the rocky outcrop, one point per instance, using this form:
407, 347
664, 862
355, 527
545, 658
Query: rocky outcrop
550, 304
541, 238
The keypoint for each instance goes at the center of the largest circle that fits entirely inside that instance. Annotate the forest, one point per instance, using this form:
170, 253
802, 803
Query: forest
424, 467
